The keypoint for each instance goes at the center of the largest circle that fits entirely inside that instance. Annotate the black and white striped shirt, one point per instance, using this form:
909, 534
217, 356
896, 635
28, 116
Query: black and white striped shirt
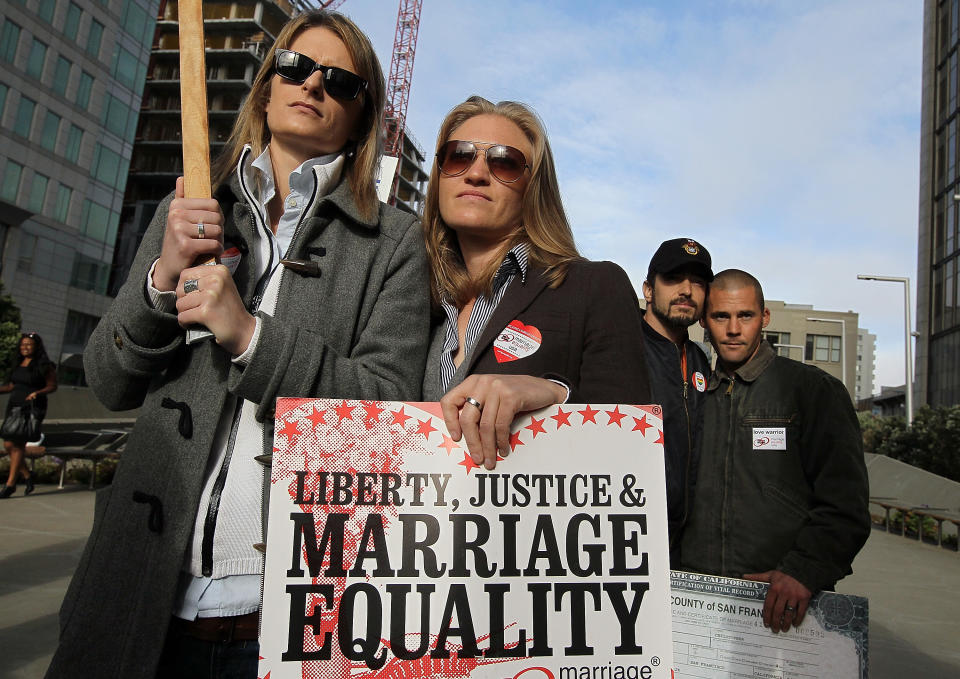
514, 263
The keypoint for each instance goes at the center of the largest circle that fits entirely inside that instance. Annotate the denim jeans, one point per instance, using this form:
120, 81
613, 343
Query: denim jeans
184, 657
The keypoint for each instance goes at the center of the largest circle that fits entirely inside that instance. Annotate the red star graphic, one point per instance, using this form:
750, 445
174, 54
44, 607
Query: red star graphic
468, 463
536, 426
659, 437
372, 411
449, 444
399, 417
588, 414
425, 428
515, 441
562, 417
642, 425
289, 429
317, 417
615, 416
343, 412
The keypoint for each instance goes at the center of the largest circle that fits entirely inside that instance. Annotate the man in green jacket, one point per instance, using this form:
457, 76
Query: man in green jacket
782, 488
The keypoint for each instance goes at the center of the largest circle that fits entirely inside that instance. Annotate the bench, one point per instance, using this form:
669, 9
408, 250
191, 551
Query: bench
101, 444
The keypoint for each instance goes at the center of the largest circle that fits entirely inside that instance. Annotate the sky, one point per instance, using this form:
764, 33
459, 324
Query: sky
783, 135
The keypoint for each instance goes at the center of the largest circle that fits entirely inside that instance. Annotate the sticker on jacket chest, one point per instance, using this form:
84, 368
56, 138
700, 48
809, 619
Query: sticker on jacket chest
774, 438
230, 258
699, 381
516, 341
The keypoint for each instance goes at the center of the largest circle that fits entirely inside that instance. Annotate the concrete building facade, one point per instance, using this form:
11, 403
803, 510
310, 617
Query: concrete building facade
866, 363
938, 251
71, 74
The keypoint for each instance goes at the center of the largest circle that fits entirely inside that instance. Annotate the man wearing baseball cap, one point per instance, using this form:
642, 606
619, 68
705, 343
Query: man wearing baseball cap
675, 291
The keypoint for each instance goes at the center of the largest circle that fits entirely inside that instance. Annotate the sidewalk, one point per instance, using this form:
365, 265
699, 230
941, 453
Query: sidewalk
41, 539
913, 589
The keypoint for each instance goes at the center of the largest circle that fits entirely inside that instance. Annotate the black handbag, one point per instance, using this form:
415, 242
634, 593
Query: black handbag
21, 423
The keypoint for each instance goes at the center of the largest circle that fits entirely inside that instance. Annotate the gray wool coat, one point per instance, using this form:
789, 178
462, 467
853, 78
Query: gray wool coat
358, 330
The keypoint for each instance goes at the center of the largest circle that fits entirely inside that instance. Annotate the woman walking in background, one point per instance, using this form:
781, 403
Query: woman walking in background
33, 377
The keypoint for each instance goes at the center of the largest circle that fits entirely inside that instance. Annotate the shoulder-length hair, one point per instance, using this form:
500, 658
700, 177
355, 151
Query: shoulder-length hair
544, 226
251, 124
41, 362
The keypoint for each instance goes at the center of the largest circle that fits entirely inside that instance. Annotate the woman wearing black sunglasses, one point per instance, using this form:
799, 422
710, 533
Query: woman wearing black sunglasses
321, 290
522, 320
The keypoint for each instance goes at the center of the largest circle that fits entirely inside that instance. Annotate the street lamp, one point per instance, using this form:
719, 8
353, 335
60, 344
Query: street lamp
908, 352
843, 337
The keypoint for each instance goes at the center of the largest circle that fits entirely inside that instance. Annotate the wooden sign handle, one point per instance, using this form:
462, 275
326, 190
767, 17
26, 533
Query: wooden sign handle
193, 118
193, 101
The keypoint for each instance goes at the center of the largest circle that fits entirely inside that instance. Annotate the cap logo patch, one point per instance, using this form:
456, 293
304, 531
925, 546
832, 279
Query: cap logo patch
691, 248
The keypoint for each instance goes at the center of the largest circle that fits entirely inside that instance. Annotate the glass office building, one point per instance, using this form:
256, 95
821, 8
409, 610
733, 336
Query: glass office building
71, 77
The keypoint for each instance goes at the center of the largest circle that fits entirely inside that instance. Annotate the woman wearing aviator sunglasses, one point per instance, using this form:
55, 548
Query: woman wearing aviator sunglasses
522, 320
321, 290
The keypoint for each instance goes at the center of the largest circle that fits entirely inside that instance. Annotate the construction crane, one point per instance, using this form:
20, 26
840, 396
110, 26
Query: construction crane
399, 80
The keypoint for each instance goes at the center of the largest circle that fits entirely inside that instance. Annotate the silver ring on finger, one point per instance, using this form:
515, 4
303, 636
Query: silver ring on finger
789, 609
190, 285
200, 232
474, 402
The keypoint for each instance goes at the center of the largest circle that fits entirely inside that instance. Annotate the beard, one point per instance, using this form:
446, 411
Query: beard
675, 320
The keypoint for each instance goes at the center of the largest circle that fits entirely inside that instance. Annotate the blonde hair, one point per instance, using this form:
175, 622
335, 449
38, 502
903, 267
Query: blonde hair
251, 125
544, 225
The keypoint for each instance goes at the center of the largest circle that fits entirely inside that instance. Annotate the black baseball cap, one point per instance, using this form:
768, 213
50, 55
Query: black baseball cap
680, 253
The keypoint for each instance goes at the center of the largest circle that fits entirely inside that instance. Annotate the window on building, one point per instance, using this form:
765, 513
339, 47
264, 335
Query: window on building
38, 192
777, 340
36, 60
72, 150
94, 38
45, 9
89, 274
72, 23
11, 181
27, 254
44, 257
115, 116
62, 209
106, 165
51, 127
137, 22
24, 119
3, 98
83, 89
9, 39
77, 331
823, 348
128, 69
99, 222
61, 76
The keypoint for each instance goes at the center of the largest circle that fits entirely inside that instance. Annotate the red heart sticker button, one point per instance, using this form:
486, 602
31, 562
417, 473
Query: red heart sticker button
516, 341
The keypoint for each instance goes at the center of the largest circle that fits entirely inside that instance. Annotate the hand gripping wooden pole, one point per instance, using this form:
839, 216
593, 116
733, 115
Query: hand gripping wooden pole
193, 115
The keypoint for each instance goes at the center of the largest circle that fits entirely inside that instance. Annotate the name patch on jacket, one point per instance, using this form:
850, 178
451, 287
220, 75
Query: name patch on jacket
516, 341
770, 439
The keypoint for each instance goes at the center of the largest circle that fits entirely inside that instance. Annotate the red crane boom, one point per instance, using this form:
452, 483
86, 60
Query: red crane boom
401, 74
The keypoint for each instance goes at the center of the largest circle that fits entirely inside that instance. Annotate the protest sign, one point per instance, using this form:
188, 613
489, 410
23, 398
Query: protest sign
391, 554
718, 632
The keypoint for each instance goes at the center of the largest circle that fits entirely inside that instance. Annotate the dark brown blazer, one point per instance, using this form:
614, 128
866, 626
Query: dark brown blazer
591, 334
